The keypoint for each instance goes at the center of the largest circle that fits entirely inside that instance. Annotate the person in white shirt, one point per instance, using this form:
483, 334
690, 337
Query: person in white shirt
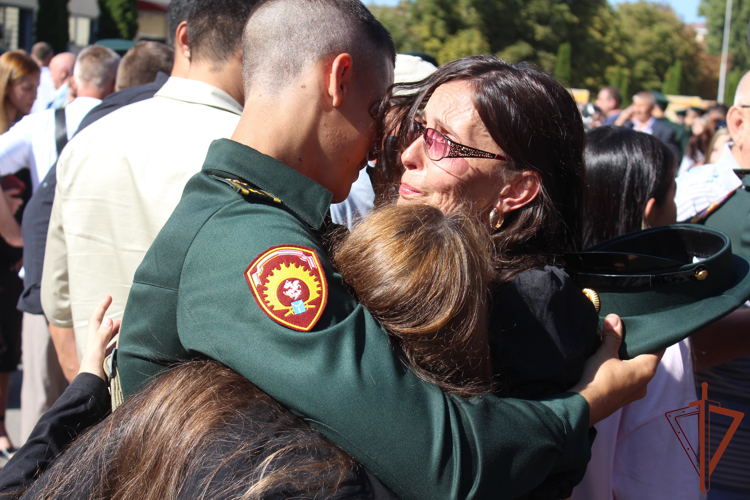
42, 54
119, 179
31, 142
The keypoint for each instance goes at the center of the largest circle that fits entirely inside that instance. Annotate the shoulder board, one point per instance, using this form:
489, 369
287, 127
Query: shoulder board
246, 189
702, 216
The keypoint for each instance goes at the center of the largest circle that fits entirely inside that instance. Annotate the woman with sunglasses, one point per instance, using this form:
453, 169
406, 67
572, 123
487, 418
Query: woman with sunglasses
505, 142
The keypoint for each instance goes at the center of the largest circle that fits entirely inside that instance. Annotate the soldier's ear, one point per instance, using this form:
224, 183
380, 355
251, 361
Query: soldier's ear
340, 78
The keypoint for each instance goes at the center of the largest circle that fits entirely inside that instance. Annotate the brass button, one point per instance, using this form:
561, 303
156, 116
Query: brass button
593, 297
701, 275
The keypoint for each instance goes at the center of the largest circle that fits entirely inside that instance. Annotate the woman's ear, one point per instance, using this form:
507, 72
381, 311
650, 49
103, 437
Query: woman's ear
521, 190
649, 214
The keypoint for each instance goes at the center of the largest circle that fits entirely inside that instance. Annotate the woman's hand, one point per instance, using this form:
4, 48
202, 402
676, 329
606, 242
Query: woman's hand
608, 383
101, 331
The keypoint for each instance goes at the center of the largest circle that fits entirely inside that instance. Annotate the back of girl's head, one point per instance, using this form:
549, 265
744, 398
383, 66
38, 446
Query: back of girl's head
424, 275
536, 123
203, 429
624, 169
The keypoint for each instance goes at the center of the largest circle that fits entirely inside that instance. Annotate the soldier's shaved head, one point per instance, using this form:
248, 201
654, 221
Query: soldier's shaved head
284, 38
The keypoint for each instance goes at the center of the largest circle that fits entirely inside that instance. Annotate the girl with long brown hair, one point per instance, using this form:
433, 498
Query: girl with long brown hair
424, 275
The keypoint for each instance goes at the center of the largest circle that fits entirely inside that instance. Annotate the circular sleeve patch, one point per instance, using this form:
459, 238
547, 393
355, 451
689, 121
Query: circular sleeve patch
289, 285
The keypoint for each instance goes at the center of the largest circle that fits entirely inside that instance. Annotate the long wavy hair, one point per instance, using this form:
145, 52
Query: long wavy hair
200, 430
14, 65
536, 123
424, 275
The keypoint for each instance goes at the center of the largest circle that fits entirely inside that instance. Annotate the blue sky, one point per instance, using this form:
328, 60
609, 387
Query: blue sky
687, 9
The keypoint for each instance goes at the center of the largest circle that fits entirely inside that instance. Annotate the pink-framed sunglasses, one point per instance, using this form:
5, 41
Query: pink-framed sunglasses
437, 146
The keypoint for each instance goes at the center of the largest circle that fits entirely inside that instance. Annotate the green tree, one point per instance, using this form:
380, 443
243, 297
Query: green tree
117, 19
652, 39
465, 42
715, 10
619, 78
733, 81
52, 24
397, 20
595, 43
642, 39
672, 79
562, 64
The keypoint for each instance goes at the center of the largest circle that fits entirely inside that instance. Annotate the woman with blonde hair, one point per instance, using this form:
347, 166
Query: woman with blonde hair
19, 79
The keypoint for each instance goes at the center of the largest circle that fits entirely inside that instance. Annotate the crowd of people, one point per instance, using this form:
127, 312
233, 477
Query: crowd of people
328, 270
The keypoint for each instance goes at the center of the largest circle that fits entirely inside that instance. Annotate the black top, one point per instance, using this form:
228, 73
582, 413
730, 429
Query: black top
39, 208
542, 329
84, 403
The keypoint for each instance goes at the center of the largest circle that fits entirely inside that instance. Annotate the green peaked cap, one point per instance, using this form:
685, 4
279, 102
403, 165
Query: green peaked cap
665, 283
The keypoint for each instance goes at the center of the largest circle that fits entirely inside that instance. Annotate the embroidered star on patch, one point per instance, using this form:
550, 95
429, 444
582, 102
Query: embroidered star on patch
289, 285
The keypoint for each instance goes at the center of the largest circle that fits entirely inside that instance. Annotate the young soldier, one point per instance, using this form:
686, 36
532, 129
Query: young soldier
239, 274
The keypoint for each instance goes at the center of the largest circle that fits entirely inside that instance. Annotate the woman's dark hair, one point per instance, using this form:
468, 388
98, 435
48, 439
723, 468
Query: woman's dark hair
438, 318
200, 430
536, 123
624, 169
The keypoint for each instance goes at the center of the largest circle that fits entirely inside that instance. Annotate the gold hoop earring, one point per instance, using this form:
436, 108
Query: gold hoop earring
496, 219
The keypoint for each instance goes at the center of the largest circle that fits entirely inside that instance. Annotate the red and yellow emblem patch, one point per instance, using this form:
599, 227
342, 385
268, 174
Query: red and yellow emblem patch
289, 284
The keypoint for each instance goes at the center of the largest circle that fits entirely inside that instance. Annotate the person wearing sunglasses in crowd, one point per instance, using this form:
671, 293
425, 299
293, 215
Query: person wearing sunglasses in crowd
505, 142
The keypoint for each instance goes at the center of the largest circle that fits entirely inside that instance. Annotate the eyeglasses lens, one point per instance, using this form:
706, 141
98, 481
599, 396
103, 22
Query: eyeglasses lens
435, 144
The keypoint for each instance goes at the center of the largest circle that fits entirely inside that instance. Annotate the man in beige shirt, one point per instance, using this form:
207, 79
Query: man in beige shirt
119, 180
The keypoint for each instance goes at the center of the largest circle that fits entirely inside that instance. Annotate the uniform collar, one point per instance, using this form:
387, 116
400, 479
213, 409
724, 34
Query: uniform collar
306, 198
196, 92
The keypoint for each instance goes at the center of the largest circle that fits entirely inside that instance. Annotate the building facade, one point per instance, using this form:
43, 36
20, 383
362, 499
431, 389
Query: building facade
17, 22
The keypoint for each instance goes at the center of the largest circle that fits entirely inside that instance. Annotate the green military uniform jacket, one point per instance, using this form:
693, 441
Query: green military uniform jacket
192, 298
733, 218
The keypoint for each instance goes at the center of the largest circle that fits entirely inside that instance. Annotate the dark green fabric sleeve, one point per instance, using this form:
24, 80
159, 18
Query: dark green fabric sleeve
344, 378
733, 218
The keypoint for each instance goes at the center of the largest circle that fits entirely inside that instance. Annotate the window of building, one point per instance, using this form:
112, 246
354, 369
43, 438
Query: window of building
80, 30
9, 27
